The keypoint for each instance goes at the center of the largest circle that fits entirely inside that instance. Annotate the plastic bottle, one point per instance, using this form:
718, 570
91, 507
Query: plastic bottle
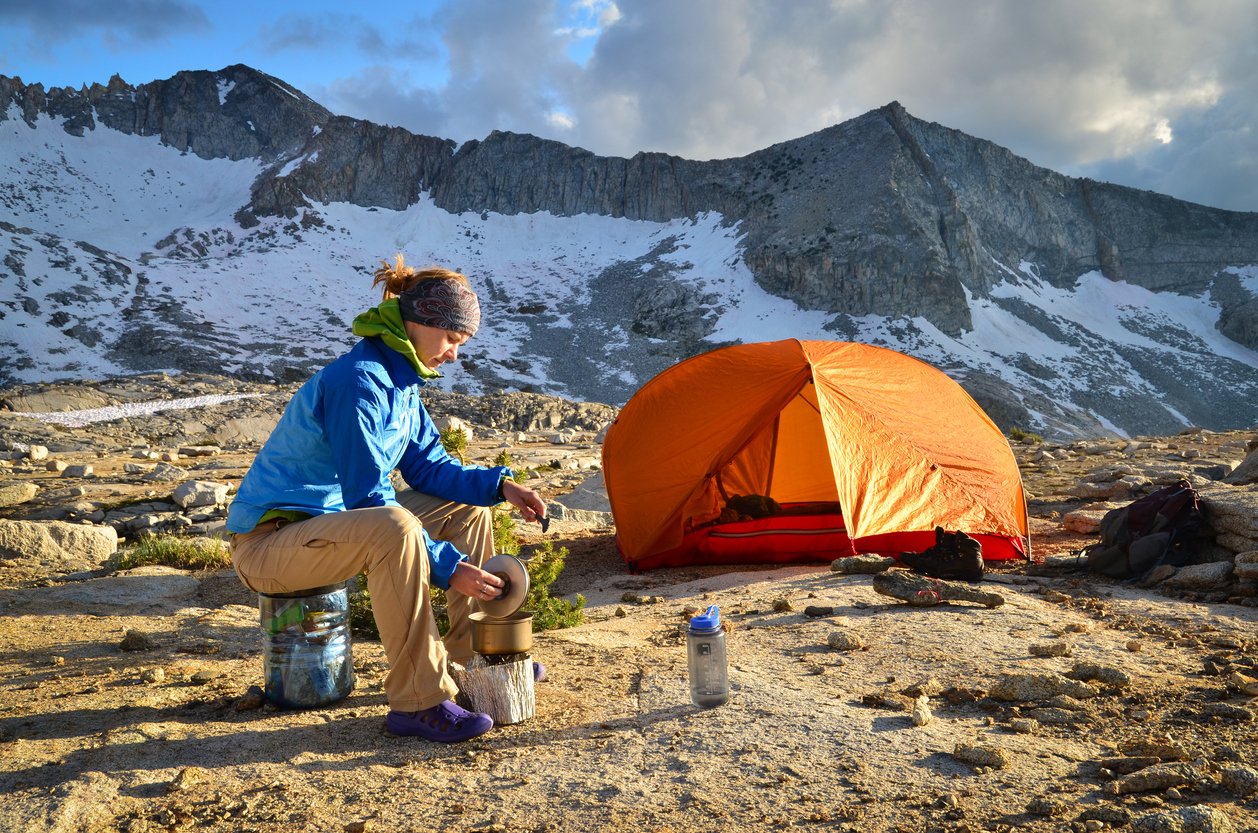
307, 659
706, 658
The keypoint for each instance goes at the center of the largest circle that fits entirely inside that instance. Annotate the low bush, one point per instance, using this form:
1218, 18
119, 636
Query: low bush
174, 551
1021, 436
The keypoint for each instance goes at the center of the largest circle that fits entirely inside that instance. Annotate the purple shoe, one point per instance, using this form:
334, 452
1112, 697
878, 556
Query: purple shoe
445, 722
539, 671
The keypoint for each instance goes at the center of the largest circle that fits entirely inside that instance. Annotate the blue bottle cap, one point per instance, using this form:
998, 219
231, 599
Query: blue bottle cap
709, 620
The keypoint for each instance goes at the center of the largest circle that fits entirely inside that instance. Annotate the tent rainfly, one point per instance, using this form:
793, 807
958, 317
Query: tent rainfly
862, 448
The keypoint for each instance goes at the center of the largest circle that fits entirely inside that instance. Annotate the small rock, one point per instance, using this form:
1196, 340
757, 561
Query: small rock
199, 450
203, 677
57, 466
78, 471
1126, 766
925, 687
1241, 781
782, 605
1162, 748
1023, 725
845, 641
37, 453
981, 755
1228, 711
1135, 646
921, 714
1022, 688
1105, 674
254, 699
862, 564
1196, 819
153, 675
362, 826
135, 640
1057, 648
818, 611
187, 777
620, 613
1045, 807
1159, 777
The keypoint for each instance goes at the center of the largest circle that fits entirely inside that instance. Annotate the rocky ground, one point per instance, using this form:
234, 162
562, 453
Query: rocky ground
1075, 704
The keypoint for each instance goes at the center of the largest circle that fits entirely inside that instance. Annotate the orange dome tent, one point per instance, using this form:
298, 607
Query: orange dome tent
864, 449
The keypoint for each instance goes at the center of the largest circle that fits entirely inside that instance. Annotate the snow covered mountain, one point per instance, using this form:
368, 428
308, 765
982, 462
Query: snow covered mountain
225, 222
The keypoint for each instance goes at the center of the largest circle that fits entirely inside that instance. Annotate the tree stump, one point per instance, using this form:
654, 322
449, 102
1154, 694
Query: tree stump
499, 686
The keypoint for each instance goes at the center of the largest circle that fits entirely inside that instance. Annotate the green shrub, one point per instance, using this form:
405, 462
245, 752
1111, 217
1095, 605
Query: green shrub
1025, 436
545, 563
174, 551
455, 442
504, 533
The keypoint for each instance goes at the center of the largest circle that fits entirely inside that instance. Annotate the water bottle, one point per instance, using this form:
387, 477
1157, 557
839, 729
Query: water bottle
705, 656
306, 657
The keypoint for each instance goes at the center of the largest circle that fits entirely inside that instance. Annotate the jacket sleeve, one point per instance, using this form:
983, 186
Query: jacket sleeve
443, 558
356, 418
428, 468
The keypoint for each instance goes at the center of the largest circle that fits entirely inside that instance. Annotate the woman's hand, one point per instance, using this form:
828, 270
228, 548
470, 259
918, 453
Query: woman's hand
529, 502
475, 583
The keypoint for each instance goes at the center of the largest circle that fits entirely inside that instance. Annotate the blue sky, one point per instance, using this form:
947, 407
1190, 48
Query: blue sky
1155, 94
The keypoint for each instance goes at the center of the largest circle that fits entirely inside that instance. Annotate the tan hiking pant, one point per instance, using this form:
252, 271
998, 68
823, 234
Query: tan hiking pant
386, 541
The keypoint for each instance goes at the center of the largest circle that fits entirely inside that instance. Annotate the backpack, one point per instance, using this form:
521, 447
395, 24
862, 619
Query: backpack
1159, 528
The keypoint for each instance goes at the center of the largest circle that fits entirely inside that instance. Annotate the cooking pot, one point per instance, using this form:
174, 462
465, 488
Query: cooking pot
509, 635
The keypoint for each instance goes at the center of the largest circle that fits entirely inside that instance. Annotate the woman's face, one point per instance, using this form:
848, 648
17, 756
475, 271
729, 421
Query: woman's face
434, 345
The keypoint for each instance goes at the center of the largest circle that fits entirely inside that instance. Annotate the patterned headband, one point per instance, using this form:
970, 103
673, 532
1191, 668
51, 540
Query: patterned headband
445, 304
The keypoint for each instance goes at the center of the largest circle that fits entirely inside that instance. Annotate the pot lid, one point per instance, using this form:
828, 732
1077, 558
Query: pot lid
514, 574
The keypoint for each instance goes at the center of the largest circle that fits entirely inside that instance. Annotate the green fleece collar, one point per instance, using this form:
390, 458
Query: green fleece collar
385, 321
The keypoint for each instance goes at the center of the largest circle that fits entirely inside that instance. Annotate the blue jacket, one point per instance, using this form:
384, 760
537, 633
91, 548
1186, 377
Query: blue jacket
344, 432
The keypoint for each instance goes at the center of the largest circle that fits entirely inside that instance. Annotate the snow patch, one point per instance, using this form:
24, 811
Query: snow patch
224, 89
1248, 276
88, 416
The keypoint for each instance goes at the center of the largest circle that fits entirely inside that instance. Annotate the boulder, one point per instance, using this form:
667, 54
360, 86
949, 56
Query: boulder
1232, 512
60, 547
1083, 521
1246, 565
1246, 473
200, 493
1214, 576
12, 494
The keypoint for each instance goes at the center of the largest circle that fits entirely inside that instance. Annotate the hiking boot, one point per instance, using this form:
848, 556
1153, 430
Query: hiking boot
955, 555
446, 722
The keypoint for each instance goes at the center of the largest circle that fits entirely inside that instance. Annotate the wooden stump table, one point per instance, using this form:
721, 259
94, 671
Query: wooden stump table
499, 686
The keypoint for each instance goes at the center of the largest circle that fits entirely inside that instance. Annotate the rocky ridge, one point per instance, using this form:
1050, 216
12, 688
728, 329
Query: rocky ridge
883, 215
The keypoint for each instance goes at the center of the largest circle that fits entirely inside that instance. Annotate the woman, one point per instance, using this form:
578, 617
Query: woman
317, 506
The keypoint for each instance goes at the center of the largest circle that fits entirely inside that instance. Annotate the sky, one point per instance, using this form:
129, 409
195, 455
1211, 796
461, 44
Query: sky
1154, 94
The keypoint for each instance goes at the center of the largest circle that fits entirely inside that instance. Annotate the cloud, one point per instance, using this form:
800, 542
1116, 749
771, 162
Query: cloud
124, 22
311, 32
1082, 87
386, 95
